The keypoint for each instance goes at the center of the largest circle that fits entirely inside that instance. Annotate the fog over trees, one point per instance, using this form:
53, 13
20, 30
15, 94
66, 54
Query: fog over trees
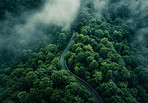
109, 51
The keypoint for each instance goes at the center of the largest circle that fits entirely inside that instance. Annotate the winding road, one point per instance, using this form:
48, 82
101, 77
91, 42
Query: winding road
81, 81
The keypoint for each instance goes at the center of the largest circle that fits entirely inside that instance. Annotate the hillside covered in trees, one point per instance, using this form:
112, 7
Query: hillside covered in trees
109, 51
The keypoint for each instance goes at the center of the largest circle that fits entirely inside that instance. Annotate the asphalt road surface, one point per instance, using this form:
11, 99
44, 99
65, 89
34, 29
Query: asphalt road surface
81, 81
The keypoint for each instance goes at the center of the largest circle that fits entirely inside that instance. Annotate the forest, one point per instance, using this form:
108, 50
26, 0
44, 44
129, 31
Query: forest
109, 51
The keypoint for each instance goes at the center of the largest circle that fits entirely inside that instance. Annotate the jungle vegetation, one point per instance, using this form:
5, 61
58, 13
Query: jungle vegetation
102, 52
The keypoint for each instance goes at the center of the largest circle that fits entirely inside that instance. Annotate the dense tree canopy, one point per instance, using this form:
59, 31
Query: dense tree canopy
102, 53
106, 59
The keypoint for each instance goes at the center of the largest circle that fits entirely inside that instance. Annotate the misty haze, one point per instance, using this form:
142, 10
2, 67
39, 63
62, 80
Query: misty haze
73, 51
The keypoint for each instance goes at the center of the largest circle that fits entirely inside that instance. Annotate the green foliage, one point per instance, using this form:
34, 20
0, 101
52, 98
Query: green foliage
106, 59
99, 33
93, 65
62, 37
101, 53
17, 6
97, 77
80, 57
45, 83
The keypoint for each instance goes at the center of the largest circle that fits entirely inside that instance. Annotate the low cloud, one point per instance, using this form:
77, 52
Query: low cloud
31, 24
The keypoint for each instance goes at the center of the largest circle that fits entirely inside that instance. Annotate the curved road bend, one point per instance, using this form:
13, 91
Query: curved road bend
81, 81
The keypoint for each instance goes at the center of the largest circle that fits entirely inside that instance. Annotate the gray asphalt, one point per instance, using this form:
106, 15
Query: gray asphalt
81, 81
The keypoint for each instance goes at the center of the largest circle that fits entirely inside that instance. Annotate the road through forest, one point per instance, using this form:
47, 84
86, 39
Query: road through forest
81, 81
